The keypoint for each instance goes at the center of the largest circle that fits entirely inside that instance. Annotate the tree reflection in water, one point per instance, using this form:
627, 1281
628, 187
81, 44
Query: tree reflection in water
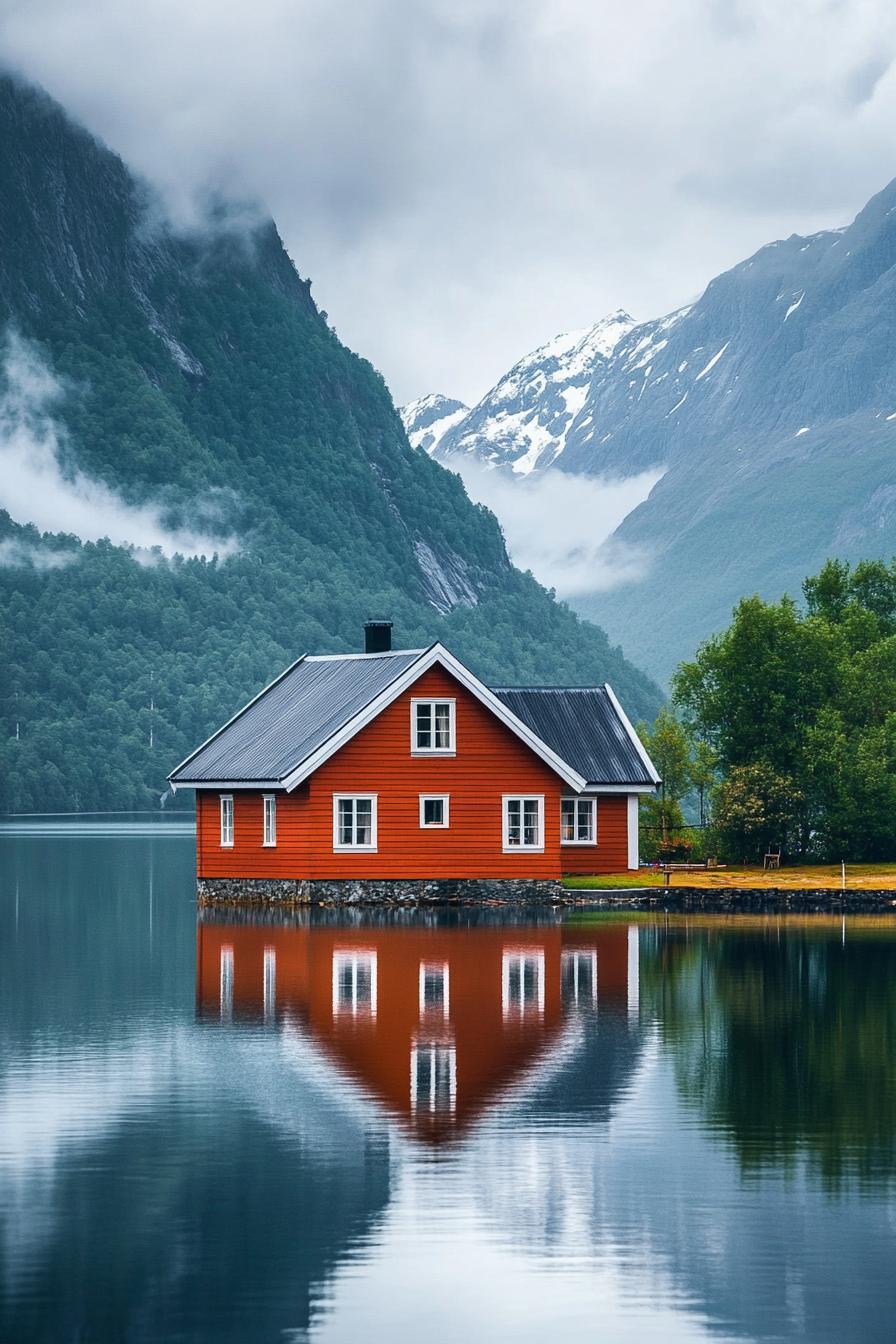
784, 1038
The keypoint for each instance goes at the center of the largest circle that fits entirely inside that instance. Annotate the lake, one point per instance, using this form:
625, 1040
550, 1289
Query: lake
459, 1126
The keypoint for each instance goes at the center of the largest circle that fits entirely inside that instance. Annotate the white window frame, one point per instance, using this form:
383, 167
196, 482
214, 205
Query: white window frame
427, 1009
226, 807
427, 1104
579, 800
269, 983
226, 982
432, 701
576, 957
442, 798
338, 846
354, 957
517, 956
269, 813
522, 799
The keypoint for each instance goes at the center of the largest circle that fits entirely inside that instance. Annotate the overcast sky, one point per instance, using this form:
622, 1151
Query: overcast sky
462, 179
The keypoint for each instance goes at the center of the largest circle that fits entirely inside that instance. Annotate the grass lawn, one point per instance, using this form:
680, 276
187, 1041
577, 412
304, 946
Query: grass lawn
859, 876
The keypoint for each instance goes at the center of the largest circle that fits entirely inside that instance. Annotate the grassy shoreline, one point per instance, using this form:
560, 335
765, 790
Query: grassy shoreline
859, 877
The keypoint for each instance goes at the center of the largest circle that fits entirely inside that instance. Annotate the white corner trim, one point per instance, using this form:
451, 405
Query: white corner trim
634, 857
636, 741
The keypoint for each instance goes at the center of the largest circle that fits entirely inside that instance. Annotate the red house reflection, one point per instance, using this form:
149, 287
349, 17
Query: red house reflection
434, 1023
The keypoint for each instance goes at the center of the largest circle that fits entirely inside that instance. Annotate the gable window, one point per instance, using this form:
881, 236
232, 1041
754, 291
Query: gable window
434, 810
227, 821
433, 1077
523, 823
354, 821
434, 995
270, 820
578, 821
522, 982
432, 727
354, 983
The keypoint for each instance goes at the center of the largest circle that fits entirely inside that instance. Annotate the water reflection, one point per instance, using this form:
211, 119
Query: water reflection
435, 1022
456, 1127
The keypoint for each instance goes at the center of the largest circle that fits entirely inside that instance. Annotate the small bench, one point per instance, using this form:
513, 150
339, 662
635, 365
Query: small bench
709, 865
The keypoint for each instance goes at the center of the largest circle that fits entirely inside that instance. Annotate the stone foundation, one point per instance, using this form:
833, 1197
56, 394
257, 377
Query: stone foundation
398, 891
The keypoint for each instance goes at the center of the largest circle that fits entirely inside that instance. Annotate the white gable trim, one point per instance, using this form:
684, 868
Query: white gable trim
437, 654
635, 739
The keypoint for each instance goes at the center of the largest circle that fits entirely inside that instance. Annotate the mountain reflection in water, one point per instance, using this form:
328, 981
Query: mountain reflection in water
455, 1126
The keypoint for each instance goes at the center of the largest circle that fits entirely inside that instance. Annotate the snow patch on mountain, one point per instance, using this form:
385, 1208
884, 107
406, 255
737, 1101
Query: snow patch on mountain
428, 419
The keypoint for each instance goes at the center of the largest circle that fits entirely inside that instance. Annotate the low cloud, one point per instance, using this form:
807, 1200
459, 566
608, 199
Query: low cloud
15, 554
36, 488
560, 526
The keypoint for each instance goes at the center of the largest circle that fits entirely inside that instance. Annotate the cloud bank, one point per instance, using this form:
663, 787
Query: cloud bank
486, 173
560, 526
35, 488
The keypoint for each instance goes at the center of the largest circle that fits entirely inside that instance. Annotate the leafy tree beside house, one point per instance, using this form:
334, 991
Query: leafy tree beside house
799, 706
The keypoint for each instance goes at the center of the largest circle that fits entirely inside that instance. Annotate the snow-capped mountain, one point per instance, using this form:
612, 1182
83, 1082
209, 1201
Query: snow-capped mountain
523, 422
428, 419
769, 406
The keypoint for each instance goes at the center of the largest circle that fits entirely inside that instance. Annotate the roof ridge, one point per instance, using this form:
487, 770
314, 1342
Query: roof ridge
553, 689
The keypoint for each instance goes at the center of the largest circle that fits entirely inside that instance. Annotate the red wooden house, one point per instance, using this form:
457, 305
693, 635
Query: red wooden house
400, 769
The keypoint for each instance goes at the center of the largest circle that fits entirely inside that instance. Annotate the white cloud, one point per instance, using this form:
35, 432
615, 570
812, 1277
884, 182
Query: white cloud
560, 526
15, 554
487, 173
36, 488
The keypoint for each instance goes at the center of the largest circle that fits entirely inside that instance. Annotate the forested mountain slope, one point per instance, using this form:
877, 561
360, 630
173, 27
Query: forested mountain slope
192, 380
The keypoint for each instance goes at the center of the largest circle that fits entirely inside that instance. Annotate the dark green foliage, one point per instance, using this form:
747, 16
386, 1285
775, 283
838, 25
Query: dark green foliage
801, 708
198, 375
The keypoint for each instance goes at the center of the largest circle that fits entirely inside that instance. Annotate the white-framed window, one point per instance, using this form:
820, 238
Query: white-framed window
578, 821
432, 727
434, 989
269, 983
578, 976
433, 1077
226, 992
354, 982
354, 821
434, 811
522, 981
227, 821
270, 821
523, 822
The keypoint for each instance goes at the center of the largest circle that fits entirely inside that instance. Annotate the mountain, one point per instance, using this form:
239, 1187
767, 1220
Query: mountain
428, 419
770, 406
523, 421
184, 392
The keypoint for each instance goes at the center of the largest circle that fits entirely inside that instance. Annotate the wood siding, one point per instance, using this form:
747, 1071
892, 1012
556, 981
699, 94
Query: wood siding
490, 761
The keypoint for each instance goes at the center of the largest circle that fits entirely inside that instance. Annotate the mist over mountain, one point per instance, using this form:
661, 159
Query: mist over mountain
768, 411
200, 482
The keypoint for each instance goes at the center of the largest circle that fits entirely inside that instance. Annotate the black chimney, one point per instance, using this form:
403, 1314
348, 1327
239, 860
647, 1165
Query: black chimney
377, 636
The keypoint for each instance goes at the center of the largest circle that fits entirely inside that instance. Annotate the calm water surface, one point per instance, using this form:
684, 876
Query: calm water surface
451, 1128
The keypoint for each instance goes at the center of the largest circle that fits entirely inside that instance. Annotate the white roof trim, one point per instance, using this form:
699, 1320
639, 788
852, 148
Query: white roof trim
233, 719
428, 658
635, 739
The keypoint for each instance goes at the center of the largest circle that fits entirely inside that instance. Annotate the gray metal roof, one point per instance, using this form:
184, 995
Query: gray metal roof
291, 718
583, 726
